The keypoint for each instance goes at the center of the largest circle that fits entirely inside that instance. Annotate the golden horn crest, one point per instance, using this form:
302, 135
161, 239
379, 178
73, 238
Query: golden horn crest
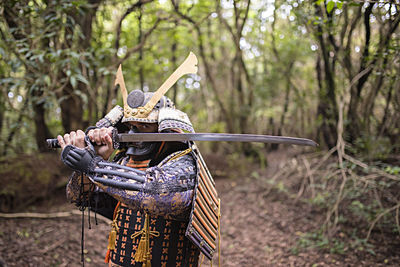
119, 79
189, 66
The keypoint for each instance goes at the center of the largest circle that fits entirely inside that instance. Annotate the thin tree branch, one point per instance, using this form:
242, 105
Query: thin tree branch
141, 44
205, 62
379, 217
132, 8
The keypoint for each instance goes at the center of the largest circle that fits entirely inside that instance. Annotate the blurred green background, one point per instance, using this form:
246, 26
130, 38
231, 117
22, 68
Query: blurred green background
326, 70
268, 67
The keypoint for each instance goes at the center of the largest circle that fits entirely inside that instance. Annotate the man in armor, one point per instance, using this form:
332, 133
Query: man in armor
149, 222
160, 195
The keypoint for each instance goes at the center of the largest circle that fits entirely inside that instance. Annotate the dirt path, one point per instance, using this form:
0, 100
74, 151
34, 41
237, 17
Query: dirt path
258, 229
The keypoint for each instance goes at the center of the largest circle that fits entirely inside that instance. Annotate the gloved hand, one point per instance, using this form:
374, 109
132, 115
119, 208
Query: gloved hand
78, 159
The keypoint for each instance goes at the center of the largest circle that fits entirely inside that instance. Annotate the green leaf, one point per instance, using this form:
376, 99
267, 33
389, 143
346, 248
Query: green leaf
39, 56
74, 54
81, 78
82, 96
23, 50
330, 6
72, 80
6, 80
339, 5
47, 80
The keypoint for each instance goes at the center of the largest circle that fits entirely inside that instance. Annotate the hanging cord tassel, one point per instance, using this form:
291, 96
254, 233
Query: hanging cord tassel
83, 238
89, 207
82, 208
143, 252
113, 233
112, 236
89, 197
95, 207
114, 230
95, 217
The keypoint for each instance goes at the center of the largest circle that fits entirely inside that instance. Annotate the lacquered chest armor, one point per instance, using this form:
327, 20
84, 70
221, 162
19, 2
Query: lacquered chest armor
168, 245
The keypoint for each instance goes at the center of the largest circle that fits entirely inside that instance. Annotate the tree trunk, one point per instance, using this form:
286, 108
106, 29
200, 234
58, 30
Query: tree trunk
72, 107
285, 106
2, 110
71, 111
383, 123
42, 132
354, 127
327, 109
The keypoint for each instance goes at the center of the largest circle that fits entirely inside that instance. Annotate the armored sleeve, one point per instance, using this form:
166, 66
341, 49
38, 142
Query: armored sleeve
73, 189
167, 189
91, 196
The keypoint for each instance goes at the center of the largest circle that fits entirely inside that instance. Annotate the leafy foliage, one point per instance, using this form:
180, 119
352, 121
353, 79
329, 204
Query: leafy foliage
280, 67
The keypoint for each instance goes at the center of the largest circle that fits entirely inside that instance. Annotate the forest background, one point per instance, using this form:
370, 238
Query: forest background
326, 70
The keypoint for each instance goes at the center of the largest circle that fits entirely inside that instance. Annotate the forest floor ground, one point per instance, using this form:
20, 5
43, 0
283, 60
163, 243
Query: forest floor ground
258, 229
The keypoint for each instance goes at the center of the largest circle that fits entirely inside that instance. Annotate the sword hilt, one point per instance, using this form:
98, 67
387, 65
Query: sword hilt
52, 143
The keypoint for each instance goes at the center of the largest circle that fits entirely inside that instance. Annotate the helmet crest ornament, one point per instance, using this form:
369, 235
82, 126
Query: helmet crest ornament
133, 104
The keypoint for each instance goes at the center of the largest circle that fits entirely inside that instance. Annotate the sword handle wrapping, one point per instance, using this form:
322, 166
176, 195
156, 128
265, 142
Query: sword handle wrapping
52, 143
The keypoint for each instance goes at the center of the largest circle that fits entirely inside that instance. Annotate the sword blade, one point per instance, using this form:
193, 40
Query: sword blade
169, 137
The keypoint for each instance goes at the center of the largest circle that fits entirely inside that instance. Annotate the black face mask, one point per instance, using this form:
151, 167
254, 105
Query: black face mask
141, 150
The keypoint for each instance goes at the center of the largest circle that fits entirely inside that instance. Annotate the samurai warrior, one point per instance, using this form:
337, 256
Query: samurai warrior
159, 195
157, 189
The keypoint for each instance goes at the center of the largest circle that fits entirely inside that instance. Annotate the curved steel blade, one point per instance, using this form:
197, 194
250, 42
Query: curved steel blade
154, 137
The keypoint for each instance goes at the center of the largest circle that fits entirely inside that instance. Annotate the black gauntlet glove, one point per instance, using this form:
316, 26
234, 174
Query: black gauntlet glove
78, 159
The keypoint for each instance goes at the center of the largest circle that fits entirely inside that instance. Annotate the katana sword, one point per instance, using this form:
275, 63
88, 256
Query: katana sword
169, 137
176, 137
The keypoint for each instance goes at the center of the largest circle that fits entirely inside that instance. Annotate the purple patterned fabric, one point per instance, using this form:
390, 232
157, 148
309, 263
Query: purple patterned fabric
169, 188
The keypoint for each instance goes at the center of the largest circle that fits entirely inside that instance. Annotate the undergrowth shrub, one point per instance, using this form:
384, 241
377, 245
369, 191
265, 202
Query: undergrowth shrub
356, 198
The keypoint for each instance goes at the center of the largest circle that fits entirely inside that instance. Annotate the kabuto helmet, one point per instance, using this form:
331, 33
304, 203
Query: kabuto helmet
156, 107
137, 99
